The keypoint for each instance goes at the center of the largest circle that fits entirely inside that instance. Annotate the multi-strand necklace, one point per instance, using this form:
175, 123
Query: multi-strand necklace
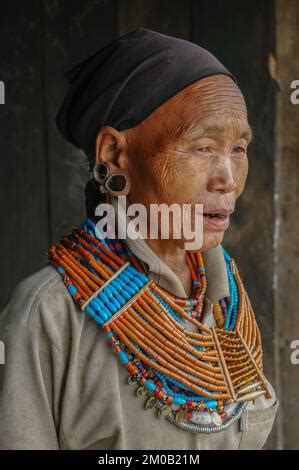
199, 380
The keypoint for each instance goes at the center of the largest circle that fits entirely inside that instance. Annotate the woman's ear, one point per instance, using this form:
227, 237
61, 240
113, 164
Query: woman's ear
111, 148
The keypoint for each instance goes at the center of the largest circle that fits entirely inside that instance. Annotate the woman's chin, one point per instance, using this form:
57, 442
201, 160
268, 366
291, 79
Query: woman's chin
211, 240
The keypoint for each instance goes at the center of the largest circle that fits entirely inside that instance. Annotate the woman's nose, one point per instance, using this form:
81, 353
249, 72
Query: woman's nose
222, 177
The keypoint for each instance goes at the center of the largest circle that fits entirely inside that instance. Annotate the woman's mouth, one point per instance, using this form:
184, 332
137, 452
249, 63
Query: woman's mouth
217, 220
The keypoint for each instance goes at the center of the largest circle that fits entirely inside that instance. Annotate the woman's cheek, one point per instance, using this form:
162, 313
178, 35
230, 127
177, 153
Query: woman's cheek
188, 176
170, 179
241, 176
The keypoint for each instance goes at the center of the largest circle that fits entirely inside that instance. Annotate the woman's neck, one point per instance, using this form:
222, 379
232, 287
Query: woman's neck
175, 257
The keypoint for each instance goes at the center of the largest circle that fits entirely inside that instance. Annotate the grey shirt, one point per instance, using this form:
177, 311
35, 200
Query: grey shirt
62, 386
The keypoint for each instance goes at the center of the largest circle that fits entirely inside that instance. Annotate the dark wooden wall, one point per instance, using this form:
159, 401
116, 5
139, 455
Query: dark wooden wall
42, 177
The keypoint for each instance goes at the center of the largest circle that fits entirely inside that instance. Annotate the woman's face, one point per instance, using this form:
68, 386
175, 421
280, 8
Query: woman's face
206, 162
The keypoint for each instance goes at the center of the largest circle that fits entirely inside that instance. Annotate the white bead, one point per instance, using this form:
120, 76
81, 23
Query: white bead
216, 419
201, 417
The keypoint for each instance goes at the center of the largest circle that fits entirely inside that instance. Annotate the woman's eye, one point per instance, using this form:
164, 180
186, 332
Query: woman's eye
204, 149
239, 149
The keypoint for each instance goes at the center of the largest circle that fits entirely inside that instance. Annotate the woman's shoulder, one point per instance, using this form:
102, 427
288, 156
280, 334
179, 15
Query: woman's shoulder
39, 299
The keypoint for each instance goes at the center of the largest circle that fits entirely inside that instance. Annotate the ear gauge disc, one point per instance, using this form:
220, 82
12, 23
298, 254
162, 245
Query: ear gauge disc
117, 182
100, 172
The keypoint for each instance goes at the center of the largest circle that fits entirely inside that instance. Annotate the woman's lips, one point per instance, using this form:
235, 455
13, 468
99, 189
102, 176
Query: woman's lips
222, 222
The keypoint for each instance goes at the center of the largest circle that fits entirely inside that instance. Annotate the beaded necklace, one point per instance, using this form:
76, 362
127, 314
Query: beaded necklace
200, 381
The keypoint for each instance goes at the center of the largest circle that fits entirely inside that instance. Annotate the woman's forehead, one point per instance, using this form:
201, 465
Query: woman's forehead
217, 123
213, 102
200, 109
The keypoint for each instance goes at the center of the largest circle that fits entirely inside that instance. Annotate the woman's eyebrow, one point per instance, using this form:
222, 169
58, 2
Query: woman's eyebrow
245, 133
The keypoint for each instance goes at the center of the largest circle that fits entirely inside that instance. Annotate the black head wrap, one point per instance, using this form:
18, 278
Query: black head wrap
124, 82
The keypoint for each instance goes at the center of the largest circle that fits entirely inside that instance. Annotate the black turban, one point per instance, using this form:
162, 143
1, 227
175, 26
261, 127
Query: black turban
124, 82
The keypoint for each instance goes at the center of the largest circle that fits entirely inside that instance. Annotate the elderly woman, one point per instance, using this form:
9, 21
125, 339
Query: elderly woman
138, 342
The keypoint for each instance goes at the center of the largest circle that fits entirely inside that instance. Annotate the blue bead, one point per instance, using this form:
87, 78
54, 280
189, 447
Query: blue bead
98, 310
106, 311
95, 306
116, 284
211, 404
135, 275
121, 282
72, 289
112, 288
111, 307
91, 223
130, 290
123, 357
149, 385
143, 277
108, 292
99, 302
116, 303
126, 295
132, 270
103, 297
134, 286
60, 270
97, 318
124, 277
179, 401
139, 283
120, 298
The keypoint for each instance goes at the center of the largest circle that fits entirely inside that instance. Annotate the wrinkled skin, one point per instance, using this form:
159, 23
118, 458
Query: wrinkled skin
206, 162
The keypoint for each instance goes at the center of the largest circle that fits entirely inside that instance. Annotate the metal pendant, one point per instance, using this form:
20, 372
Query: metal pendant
251, 396
164, 411
141, 391
151, 402
131, 380
180, 415
248, 388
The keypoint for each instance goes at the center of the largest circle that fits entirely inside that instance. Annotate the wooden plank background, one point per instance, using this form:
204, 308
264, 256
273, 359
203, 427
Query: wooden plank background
286, 216
42, 177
